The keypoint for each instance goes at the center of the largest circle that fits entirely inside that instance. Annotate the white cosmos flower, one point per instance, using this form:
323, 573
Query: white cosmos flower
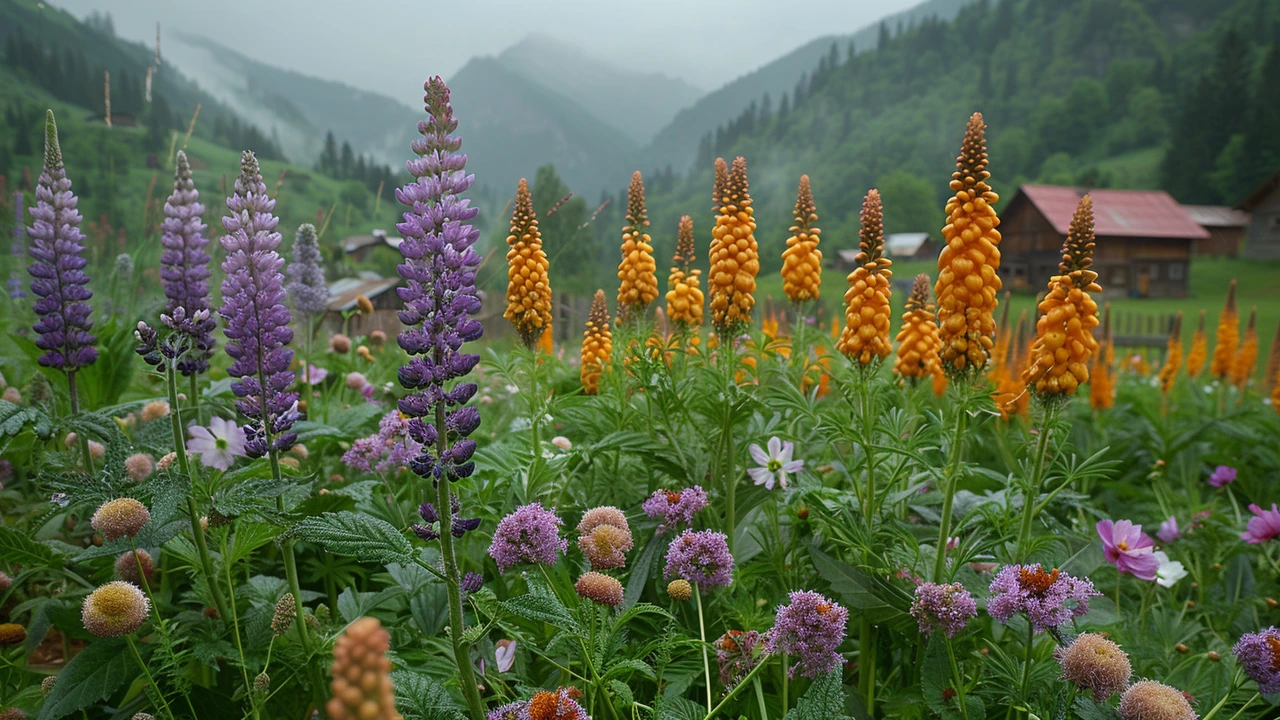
217, 445
775, 465
1170, 571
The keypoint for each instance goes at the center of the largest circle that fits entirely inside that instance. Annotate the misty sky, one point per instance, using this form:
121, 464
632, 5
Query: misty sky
391, 46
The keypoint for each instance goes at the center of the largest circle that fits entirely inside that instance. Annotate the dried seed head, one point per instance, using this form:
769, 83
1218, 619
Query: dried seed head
167, 461
115, 609
46, 685
1096, 664
12, 634
262, 683
1149, 700
680, 589
599, 588
155, 410
286, 610
127, 566
122, 517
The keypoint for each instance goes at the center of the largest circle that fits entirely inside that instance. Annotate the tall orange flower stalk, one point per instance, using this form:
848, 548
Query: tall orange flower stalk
684, 294
1102, 375
362, 674
1064, 342
1173, 356
802, 260
918, 341
528, 286
867, 314
1199, 353
1228, 337
1011, 396
967, 280
1000, 357
637, 273
735, 257
597, 344
1273, 362
1246, 360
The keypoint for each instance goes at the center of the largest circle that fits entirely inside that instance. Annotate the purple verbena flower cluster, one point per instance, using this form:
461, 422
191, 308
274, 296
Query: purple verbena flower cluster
948, 607
736, 655
1259, 655
19, 223
257, 328
511, 711
390, 448
306, 286
702, 558
57, 269
1048, 599
811, 628
184, 271
439, 294
675, 508
531, 534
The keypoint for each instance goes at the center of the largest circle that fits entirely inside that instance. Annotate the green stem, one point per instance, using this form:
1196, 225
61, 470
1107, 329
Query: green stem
955, 672
867, 663
193, 387
1032, 490
868, 427
235, 625
734, 691
152, 681
702, 634
82, 441
764, 711
949, 493
1026, 666
1239, 712
155, 606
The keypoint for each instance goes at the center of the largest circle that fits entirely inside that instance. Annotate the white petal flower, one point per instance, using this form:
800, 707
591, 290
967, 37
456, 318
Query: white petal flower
1170, 571
774, 466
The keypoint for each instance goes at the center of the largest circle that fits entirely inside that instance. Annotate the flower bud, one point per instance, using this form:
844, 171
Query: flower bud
139, 466
1147, 699
599, 588
122, 517
115, 609
155, 410
340, 343
12, 634
127, 566
680, 589
285, 611
262, 683
362, 674
46, 685
1095, 664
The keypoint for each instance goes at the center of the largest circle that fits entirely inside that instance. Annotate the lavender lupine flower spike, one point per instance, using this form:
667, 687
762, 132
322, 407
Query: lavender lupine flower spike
307, 288
57, 272
257, 326
184, 270
440, 294
19, 221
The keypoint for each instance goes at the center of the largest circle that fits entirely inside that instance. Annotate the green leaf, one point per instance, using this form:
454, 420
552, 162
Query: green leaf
91, 677
622, 697
642, 570
17, 547
169, 489
422, 697
361, 536
353, 605
541, 605
883, 601
248, 496
824, 700
626, 666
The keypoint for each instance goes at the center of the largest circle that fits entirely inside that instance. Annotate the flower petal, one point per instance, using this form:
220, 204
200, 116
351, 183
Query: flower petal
758, 454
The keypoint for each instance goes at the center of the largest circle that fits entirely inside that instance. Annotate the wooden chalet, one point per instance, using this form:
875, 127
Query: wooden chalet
911, 246
358, 247
343, 296
1144, 239
1226, 226
1263, 205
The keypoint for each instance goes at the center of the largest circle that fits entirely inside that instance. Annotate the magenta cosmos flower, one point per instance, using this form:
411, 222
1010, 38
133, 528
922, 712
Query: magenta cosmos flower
531, 534
1264, 526
1169, 531
1128, 548
775, 465
217, 445
1222, 476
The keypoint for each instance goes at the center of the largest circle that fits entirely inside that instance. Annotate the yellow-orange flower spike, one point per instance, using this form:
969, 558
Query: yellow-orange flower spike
1102, 375
528, 287
1273, 361
637, 273
802, 260
967, 280
546, 343
867, 313
597, 344
684, 291
719, 185
735, 257
1228, 338
1199, 353
1173, 356
1246, 360
362, 687
1000, 357
1065, 345
1010, 395
918, 341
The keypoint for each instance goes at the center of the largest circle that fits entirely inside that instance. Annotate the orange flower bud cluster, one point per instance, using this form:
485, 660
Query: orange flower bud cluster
918, 341
1000, 356
1102, 378
1064, 343
684, 294
1199, 352
735, 257
967, 280
362, 674
1224, 352
802, 260
1011, 397
867, 314
546, 343
637, 278
1246, 360
597, 344
1173, 356
528, 286
1273, 363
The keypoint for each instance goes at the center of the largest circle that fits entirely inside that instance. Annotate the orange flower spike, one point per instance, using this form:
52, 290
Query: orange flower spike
1246, 360
684, 293
1199, 352
1102, 375
597, 344
1065, 345
1011, 396
1228, 337
967, 281
637, 273
546, 343
528, 285
362, 674
1000, 357
1273, 362
918, 341
1173, 356
802, 260
867, 313
735, 256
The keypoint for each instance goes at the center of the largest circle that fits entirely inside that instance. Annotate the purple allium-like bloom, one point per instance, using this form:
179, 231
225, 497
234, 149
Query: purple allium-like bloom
19, 224
948, 607
811, 627
306, 286
439, 294
1222, 476
1128, 548
257, 328
389, 449
1263, 526
675, 508
184, 269
1048, 599
702, 558
1169, 531
531, 534
1259, 655
736, 655
57, 269
511, 711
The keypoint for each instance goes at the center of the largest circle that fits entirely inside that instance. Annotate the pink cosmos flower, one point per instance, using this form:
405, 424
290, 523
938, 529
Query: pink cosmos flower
1129, 549
1264, 526
775, 465
1222, 476
217, 445
505, 654
318, 374
1169, 531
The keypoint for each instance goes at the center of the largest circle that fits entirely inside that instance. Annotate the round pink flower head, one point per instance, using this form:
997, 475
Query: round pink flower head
605, 515
1263, 526
139, 466
127, 565
122, 517
702, 558
1128, 548
1222, 476
115, 609
1095, 664
811, 628
1048, 599
1149, 700
599, 588
675, 508
1259, 654
948, 607
605, 538
356, 381
531, 534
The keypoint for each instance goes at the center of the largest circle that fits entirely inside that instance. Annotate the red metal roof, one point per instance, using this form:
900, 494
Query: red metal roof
1117, 213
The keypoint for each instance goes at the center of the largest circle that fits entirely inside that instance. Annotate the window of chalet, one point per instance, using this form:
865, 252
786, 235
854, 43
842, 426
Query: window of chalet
1177, 271
1119, 276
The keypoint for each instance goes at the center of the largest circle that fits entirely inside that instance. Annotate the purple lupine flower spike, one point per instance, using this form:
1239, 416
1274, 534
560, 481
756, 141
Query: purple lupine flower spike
307, 288
57, 271
184, 270
19, 222
440, 294
257, 326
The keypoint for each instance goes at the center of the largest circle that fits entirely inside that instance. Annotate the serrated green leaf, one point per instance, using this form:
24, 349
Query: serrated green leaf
824, 700
169, 490
626, 666
540, 605
17, 547
91, 677
422, 697
358, 535
622, 697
